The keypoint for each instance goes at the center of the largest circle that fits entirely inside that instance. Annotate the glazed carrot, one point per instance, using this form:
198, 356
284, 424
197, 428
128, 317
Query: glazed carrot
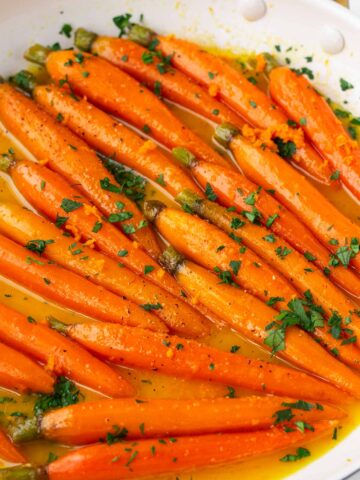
252, 318
172, 355
90, 422
234, 89
21, 374
60, 355
153, 458
68, 289
26, 228
114, 91
113, 139
46, 190
8, 451
68, 155
267, 169
233, 189
213, 249
303, 104
175, 86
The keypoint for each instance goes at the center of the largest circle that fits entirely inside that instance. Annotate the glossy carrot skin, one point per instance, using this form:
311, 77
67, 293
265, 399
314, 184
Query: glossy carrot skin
114, 91
97, 462
29, 178
23, 226
175, 86
250, 316
232, 189
59, 354
113, 139
68, 155
236, 91
300, 100
19, 373
270, 171
134, 347
69, 289
199, 241
8, 451
89, 422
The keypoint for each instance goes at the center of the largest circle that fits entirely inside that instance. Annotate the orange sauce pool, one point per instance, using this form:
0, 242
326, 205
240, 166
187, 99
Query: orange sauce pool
152, 385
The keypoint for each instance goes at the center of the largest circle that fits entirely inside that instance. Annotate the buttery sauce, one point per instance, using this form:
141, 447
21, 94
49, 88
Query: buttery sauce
153, 385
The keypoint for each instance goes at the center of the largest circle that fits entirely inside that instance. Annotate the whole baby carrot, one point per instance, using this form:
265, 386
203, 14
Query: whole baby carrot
8, 451
90, 422
303, 104
70, 156
60, 355
45, 190
253, 318
172, 355
113, 139
233, 189
113, 90
235, 90
68, 289
37, 233
170, 455
215, 250
150, 68
267, 169
20, 373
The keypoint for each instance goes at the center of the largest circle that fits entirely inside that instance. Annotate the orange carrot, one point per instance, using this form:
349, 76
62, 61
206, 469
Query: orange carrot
171, 355
153, 458
267, 169
60, 355
68, 155
152, 70
66, 288
251, 317
89, 422
234, 190
21, 374
113, 90
234, 89
8, 451
213, 249
46, 190
304, 105
113, 139
33, 231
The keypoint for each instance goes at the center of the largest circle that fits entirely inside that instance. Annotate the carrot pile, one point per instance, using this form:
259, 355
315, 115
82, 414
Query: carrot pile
239, 238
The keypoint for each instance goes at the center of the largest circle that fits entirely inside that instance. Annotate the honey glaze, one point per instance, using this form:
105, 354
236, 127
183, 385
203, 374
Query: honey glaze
153, 385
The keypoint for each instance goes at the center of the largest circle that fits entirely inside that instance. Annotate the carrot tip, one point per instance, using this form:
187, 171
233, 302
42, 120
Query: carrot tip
185, 157
152, 208
140, 34
24, 80
37, 54
171, 259
84, 39
224, 133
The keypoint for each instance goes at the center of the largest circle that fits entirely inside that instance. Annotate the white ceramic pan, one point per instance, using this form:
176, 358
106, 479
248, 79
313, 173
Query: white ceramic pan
314, 27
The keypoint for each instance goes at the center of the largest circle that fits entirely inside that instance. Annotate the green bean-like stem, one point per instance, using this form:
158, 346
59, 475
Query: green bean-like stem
171, 260
271, 62
184, 156
37, 54
225, 132
23, 473
152, 208
84, 39
189, 200
5, 162
57, 325
140, 34
24, 80
24, 430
